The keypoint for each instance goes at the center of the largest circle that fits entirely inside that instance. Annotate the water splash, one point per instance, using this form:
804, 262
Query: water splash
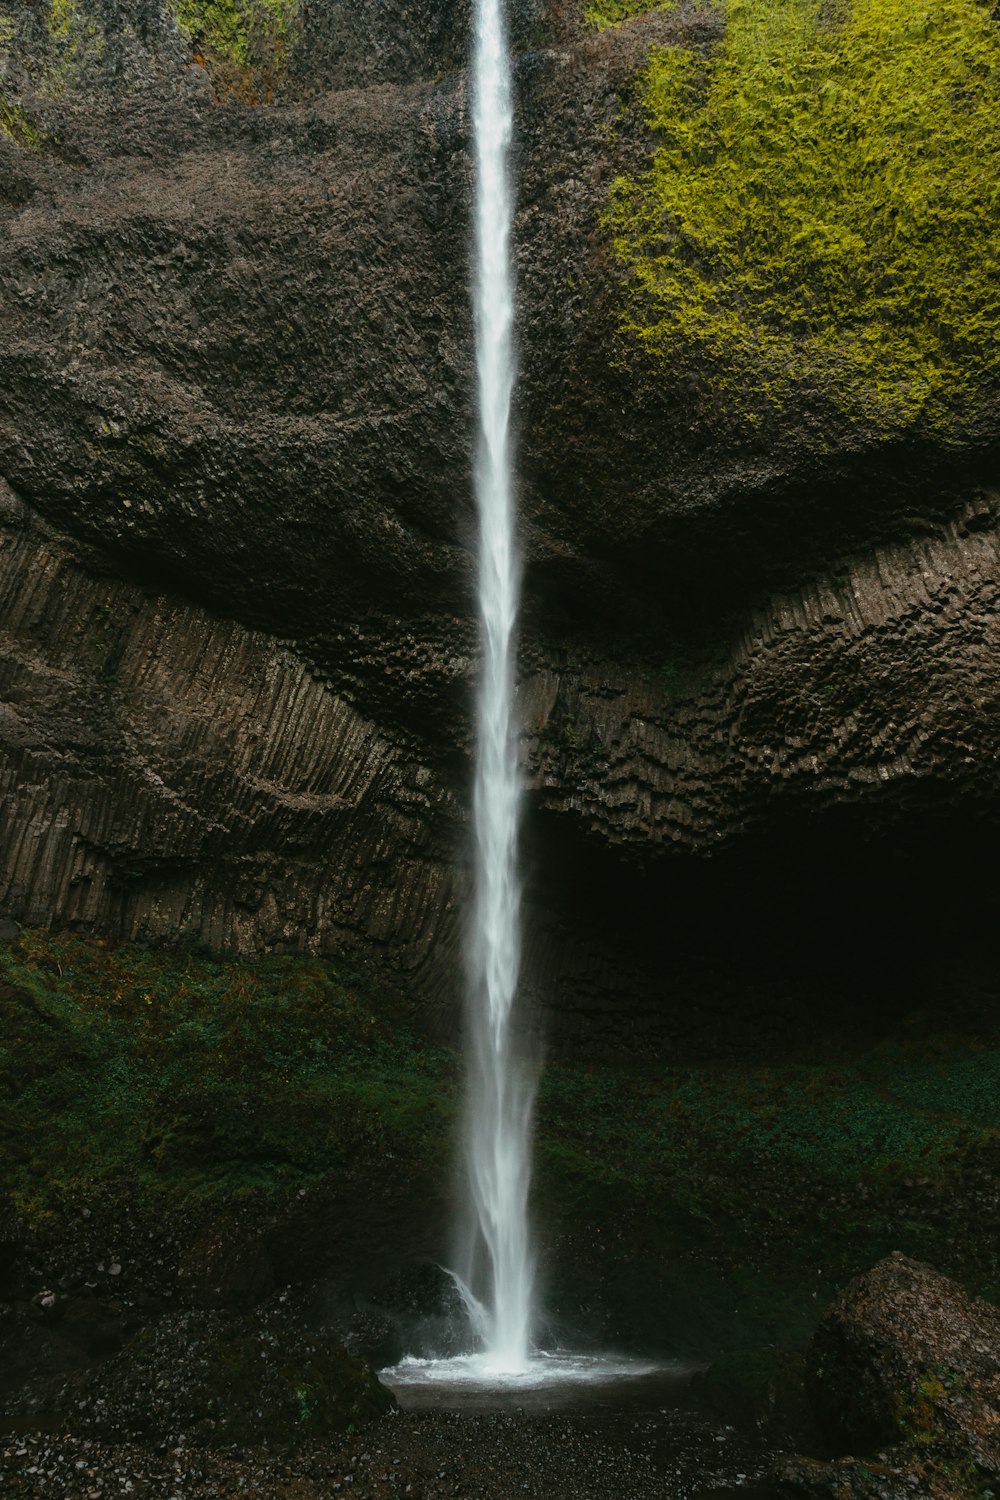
499, 1270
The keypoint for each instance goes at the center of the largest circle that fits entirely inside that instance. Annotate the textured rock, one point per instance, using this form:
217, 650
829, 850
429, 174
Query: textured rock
223, 1380
235, 487
175, 772
849, 1479
905, 1356
862, 685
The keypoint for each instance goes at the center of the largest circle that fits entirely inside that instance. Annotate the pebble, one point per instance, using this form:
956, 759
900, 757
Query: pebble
430, 1455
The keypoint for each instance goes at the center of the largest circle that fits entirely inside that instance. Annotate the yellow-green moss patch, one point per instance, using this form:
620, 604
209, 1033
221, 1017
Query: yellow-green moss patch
605, 13
18, 126
820, 211
76, 42
244, 43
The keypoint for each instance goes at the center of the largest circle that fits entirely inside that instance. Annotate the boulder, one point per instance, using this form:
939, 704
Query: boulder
905, 1356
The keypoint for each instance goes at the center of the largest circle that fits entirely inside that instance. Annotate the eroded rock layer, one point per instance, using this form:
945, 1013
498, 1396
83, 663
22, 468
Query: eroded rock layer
169, 772
235, 435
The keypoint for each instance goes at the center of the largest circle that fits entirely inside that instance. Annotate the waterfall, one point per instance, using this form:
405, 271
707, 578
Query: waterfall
500, 1270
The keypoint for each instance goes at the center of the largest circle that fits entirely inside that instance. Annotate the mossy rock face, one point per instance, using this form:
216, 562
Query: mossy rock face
605, 13
223, 1129
245, 44
224, 1380
851, 1479
817, 223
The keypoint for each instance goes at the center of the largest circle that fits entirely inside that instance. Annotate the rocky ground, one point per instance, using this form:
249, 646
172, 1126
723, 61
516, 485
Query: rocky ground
225, 1188
903, 1370
426, 1456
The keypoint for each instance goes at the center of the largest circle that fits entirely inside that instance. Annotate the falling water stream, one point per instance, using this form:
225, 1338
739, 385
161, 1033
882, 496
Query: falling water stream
497, 1273
498, 1264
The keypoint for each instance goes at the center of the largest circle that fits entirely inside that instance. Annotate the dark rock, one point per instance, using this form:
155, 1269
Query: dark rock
228, 1266
218, 1380
414, 1309
758, 1389
11, 1244
235, 576
849, 1479
906, 1356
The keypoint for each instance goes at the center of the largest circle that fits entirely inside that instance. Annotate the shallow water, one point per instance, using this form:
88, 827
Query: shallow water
559, 1381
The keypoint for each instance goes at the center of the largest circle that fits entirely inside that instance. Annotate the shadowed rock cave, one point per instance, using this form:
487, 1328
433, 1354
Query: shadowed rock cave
812, 933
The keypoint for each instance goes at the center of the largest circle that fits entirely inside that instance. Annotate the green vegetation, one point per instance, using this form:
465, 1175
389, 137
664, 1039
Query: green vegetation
244, 43
819, 214
605, 13
848, 1122
18, 126
183, 1084
757, 1192
196, 1076
925, 1430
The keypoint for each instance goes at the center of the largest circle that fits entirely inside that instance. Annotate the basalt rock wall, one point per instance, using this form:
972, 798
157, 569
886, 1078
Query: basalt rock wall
236, 426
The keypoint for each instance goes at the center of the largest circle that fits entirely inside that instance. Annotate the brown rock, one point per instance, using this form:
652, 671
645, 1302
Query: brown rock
235, 515
906, 1356
847, 1479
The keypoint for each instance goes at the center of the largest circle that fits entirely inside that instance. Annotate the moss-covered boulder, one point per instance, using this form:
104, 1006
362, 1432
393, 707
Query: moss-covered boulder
850, 1479
906, 1357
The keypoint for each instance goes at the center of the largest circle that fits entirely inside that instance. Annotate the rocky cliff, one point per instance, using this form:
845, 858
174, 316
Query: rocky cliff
235, 437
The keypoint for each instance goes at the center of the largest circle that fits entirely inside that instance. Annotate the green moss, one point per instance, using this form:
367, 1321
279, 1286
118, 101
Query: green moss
926, 1431
18, 126
762, 1190
76, 43
183, 1082
193, 1075
820, 211
605, 13
244, 43
62, 19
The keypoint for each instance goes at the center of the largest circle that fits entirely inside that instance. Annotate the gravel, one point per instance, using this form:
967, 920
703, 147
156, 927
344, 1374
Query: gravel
421, 1456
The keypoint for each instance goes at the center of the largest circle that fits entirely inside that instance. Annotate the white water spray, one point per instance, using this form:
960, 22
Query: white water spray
499, 1272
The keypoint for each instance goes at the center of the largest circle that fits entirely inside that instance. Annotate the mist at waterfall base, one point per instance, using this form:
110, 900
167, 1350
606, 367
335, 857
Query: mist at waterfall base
495, 1274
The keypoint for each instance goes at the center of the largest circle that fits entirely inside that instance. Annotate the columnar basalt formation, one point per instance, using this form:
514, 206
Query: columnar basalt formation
865, 684
235, 439
171, 773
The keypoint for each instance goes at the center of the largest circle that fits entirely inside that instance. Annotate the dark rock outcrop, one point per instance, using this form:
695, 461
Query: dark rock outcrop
235, 490
168, 770
906, 1357
215, 1379
848, 1479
